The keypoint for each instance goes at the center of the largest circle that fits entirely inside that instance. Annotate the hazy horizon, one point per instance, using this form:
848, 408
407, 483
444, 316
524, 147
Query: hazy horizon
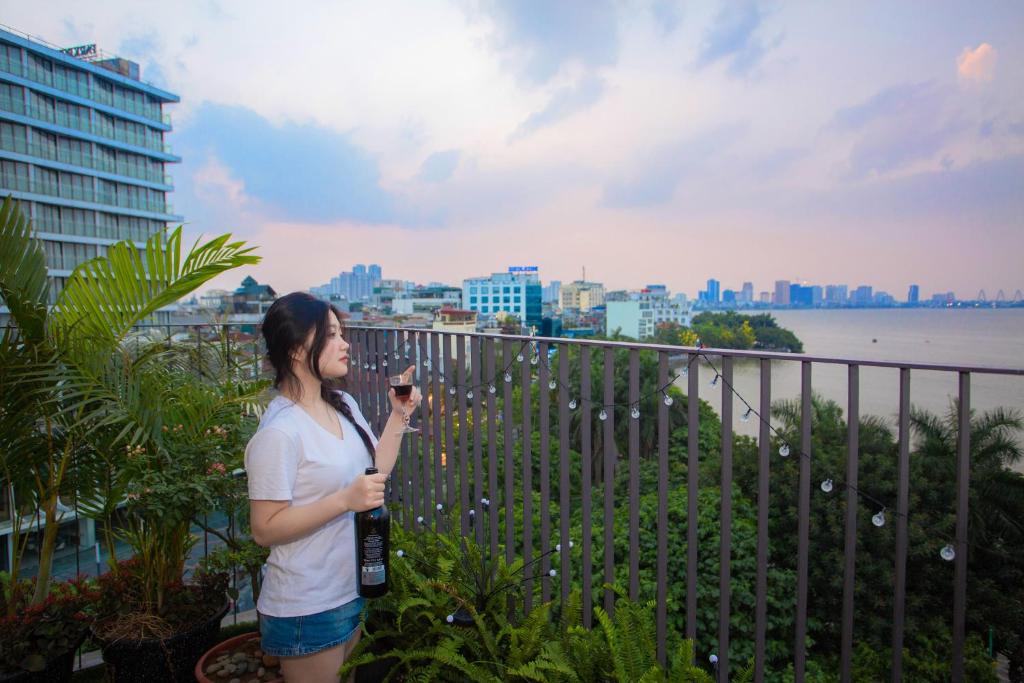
648, 141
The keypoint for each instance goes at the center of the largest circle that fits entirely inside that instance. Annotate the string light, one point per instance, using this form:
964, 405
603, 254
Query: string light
947, 553
878, 519
746, 415
491, 389
635, 413
572, 404
469, 395
714, 382
668, 399
784, 450
826, 486
603, 415
508, 377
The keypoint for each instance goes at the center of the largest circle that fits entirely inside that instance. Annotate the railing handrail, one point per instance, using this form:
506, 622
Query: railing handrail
645, 346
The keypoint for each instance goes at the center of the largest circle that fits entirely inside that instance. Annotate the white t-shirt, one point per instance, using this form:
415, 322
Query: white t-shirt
291, 457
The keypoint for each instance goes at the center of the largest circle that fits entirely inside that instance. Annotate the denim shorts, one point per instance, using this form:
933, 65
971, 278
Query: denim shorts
297, 636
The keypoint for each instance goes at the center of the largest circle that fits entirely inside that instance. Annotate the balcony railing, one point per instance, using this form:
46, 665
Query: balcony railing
504, 416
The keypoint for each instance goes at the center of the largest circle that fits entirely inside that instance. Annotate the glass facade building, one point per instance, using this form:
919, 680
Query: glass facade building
83, 150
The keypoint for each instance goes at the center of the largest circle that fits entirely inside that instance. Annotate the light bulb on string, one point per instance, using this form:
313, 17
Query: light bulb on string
603, 415
491, 389
947, 553
366, 366
519, 358
826, 486
784, 450
667, 400
508, 377
878, 519
451, 390
469, 395
534, 360
552, 385
686, 371
384, 362
635, 412
746, 415
714, 382
374, 367
572, 404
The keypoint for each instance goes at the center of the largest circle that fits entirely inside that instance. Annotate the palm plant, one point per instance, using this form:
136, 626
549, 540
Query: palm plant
77, 398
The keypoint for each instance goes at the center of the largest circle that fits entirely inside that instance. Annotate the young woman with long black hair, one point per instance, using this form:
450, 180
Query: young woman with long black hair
306, 467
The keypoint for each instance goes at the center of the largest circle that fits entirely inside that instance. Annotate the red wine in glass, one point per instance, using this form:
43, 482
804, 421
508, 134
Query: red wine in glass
403, 390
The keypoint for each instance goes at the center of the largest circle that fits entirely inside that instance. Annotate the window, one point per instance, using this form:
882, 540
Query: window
10, 59
40, 68
103, 90
472, 299
12, 98
12, 137
47, 218
472, 290
506, 300
484, 299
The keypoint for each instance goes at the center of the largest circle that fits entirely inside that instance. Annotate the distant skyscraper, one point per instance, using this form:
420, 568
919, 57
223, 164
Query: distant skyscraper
552, 292
357, 285
747, 293
914, 295
836, 295
714, 291
862, 296
781, 293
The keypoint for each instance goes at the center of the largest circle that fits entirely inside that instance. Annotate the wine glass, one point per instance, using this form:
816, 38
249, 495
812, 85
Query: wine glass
402, 385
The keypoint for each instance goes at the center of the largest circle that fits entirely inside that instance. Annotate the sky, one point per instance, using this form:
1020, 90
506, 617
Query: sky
647, 141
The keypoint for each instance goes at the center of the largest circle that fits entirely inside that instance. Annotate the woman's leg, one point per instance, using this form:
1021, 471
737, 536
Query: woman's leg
319, 667
348, 646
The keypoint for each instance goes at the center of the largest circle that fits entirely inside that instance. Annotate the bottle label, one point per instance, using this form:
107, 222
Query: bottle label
372, 571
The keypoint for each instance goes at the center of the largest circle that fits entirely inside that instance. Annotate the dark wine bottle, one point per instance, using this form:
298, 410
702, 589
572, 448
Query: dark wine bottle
373, 534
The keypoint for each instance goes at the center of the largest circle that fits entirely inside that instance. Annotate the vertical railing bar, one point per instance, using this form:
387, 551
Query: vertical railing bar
492, 445
410, 450
803, 525
902, 509
661, 617
563, 466
763, 479
852, 507
586, 450
436, 405
526, 377
509, 459
634, 475
610, 456
544, 419
451, 458
963, 480
725, 549
692, 465
460, 398
419, 359
478, 463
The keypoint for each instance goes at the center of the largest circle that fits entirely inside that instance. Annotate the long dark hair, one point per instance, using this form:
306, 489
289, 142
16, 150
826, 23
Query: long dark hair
286, 326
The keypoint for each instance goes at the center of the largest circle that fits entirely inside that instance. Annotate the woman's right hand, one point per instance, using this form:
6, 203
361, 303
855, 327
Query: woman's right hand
366, 492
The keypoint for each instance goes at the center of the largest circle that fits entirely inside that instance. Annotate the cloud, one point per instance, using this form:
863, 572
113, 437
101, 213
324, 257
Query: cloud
667, 14
564, 103
732, 38
439, 166
540, 36
658, 175
301, 172
978, 65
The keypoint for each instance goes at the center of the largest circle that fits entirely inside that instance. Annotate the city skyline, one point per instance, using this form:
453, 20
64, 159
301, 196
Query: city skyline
647, 141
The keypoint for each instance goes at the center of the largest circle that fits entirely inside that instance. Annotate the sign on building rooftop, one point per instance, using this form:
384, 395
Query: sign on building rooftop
522, 269
81, 51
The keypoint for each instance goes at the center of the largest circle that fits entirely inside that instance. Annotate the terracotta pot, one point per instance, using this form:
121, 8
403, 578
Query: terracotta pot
219, 648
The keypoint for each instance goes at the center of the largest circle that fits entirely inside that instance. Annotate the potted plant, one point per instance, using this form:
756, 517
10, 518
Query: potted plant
79, 398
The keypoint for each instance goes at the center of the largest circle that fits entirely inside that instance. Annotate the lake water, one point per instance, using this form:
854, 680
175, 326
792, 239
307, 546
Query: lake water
975, 337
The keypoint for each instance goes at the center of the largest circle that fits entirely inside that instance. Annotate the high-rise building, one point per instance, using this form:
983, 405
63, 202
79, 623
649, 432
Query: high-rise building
552, 292
582, 296
862, 296
714, 291
517, 291
357, 285
640, 315
746, 295
914, 295
781, 293
836, 295
82, 150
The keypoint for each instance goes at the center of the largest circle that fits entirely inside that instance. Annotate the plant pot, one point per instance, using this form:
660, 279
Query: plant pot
57, 670
156, 660
229, 645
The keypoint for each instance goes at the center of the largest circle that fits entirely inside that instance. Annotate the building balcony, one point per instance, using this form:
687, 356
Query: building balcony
782, 533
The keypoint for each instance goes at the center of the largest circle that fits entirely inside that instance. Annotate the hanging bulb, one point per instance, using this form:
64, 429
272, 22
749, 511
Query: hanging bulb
469, 395
426, 363
947, 553
668, 400
553, 572
686, 371
572, 404
552, 385
603, 415
400, 553
635, 412
384, 363
878, 519
746, 415
366, 366
784, 450
440, 379
534, 360
451, 391
519, 358
826, 486
508, 377
714, 382
374, 367
450, 618
396, 352
419, 520
491, 389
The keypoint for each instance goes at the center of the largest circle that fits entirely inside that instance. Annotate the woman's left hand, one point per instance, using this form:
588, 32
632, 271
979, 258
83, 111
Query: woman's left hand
405, 405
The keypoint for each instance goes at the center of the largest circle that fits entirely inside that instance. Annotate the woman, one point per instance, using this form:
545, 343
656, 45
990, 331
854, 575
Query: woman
306, 467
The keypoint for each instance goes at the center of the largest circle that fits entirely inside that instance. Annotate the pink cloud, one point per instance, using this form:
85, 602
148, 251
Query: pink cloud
978, 64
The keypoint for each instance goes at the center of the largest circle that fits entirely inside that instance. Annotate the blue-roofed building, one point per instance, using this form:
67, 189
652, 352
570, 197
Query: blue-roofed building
83, 149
